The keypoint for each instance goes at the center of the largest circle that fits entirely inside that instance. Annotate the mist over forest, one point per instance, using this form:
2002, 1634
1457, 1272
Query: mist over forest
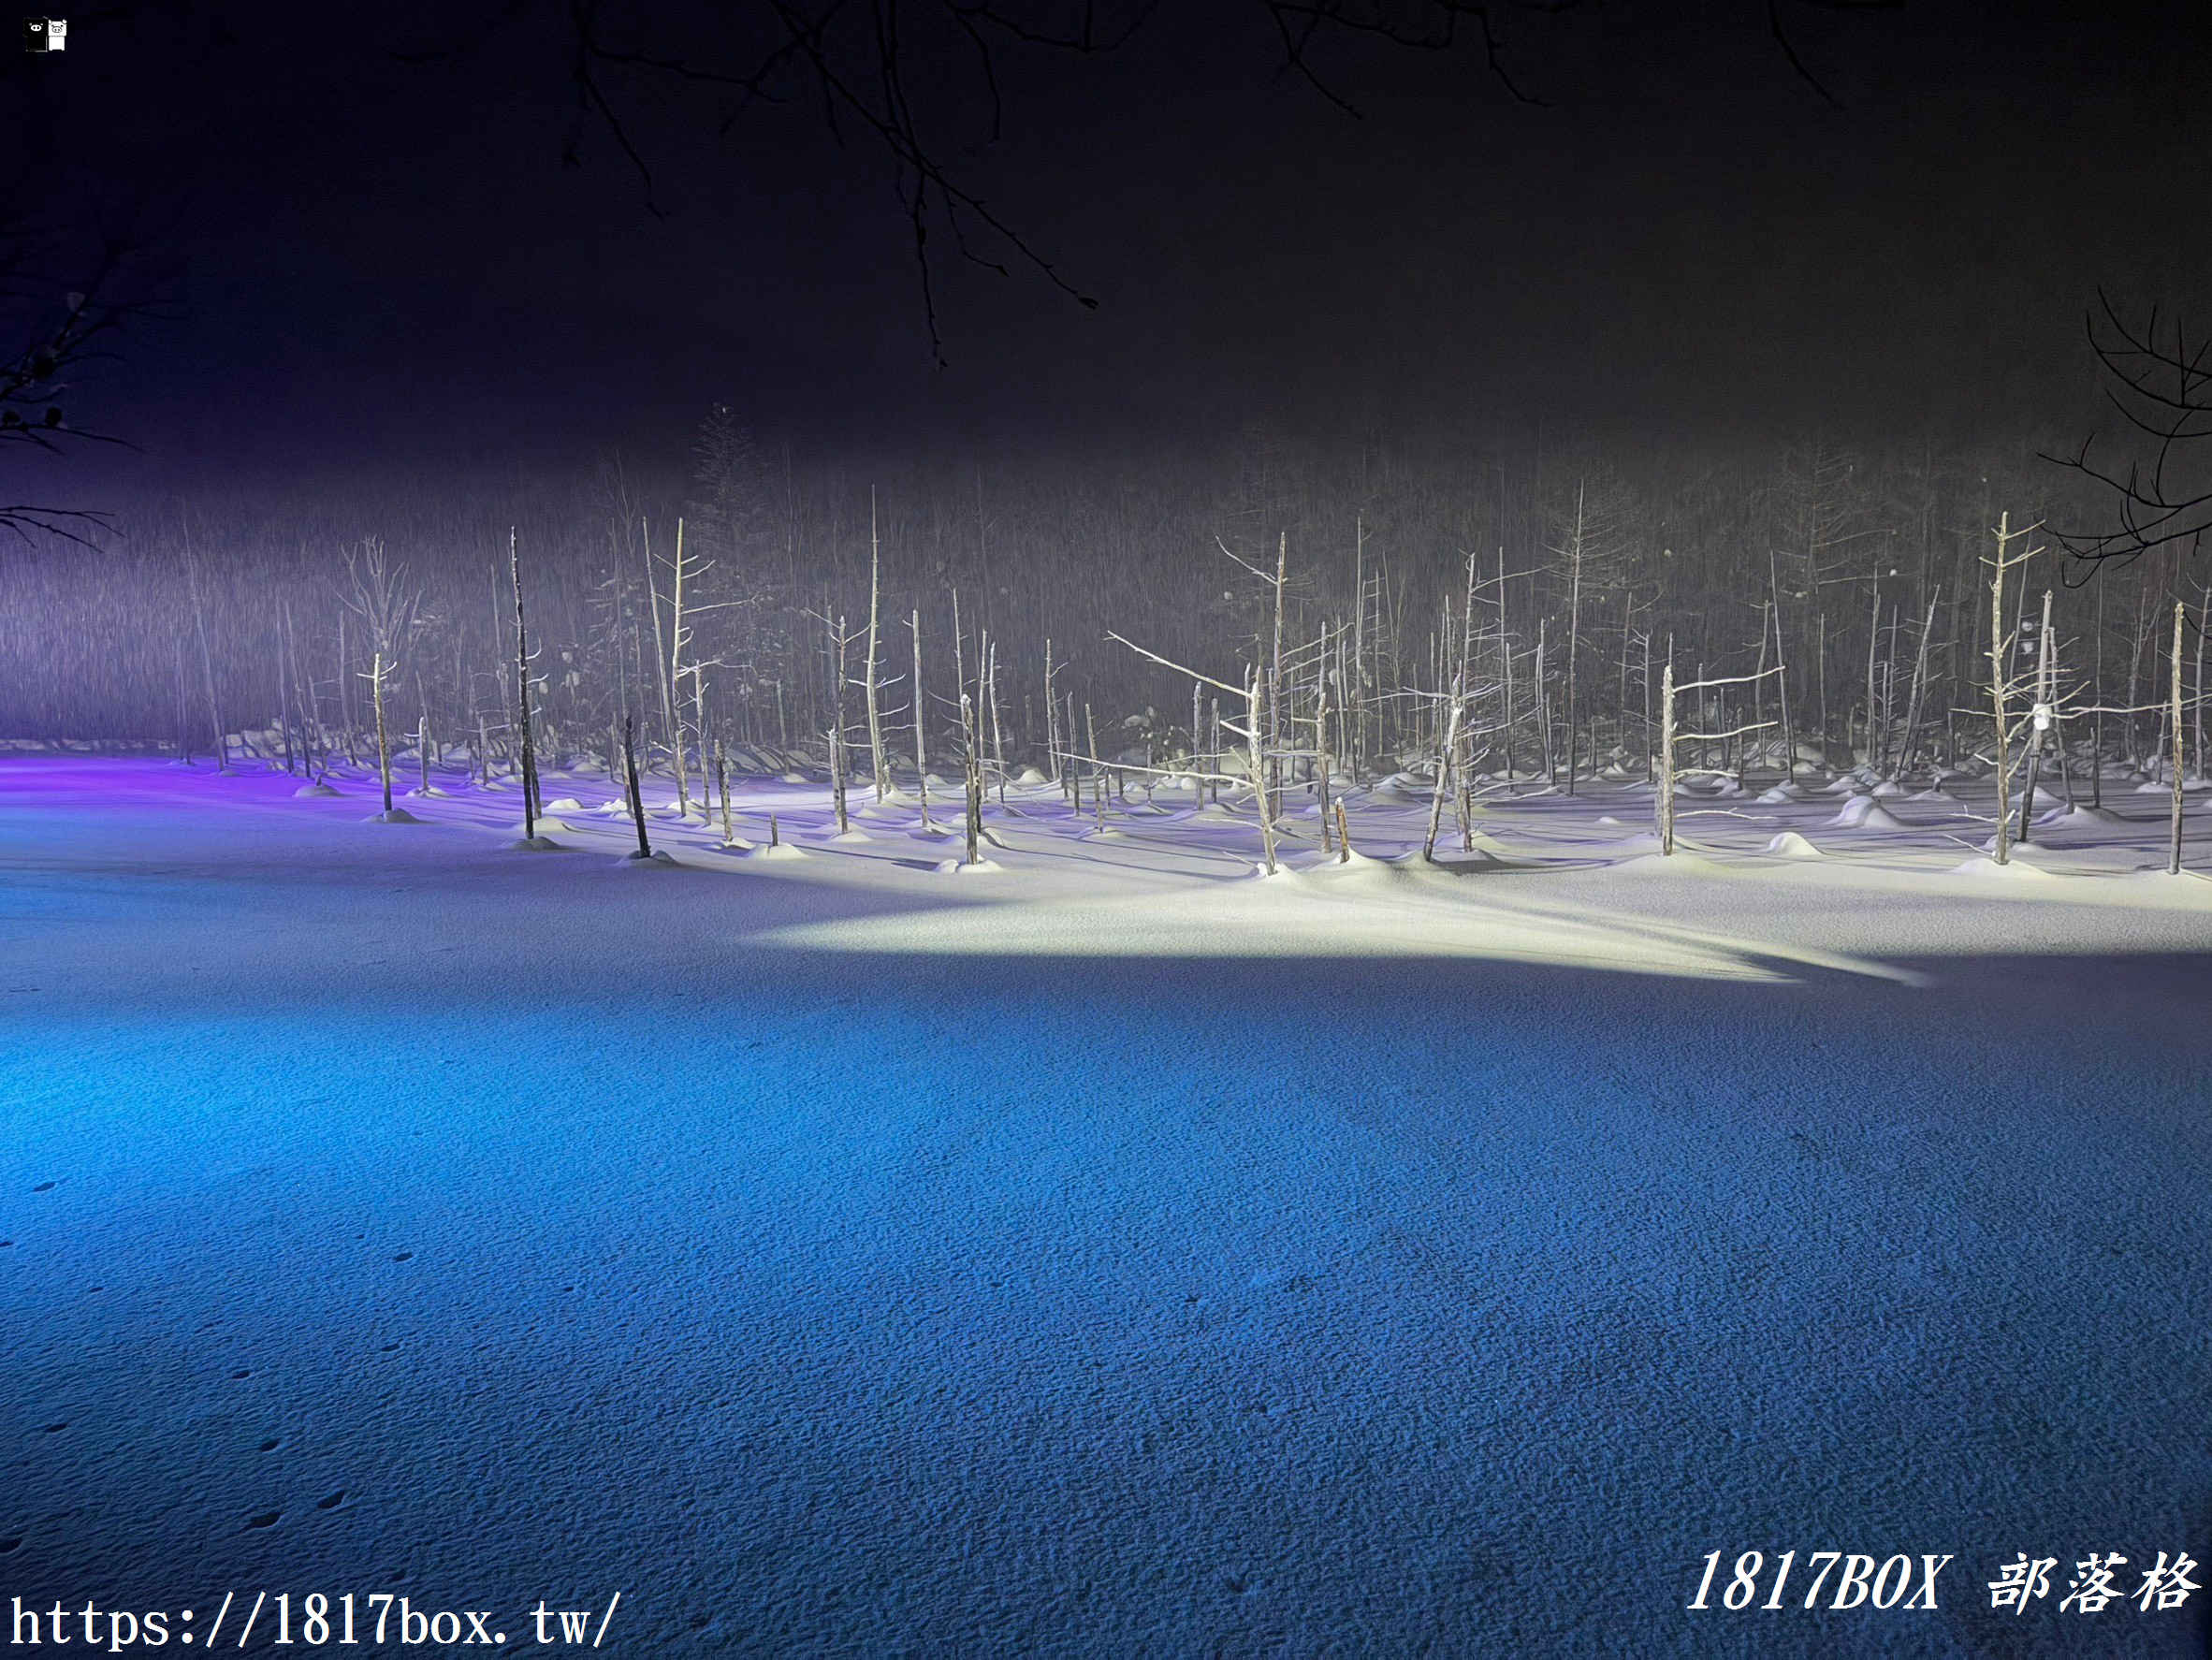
1691, 552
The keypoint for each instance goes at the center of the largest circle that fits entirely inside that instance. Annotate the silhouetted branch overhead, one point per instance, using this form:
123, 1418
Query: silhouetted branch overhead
2158, 377
914, 77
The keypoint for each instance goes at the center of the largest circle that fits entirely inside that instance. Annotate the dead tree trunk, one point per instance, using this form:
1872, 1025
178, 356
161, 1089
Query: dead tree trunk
921, 749
879, 759
2041, 716
207, 666
2174, 719
383, 748
1444, 768
637, 815
721, 780
522, 720
972, 771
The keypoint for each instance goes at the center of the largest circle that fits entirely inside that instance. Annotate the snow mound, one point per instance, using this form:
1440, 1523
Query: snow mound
2081, 817
1863, 813
1677, 863
656, 860
850, 837
534, 844
961, 867
547, 822
1029, 774
1781, 793
781, 849
791, 778
564, 804
1790, 845
1990, 870
315, 790
398, 815
1346, 860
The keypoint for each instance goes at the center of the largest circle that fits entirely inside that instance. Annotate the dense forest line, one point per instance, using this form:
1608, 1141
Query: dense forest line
1533, 594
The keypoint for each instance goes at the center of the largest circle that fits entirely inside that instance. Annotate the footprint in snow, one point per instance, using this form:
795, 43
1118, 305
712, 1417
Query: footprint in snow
403, 1256
332, 1502
270, 1444
7, 1545
43, 1187
268, 1519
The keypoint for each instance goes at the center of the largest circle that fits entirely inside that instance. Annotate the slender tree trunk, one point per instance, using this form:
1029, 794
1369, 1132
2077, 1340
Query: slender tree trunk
1444, 770
637, 814
207, 662
1915, 705
2174, 719
921, 749
972, 776
1275, 682
1052, 713
997, 727
1874, 756
1996, 688
1781, 680
2041, 714
522, 720
2097, 704
383, 748
284, 704
663, 650
1574, 639
1253, 712
2197, 714
721, 780
879, 758
345, 695
678, 744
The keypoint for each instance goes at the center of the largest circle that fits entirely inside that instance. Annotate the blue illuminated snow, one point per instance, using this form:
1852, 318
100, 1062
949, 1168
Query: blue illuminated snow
514, 1228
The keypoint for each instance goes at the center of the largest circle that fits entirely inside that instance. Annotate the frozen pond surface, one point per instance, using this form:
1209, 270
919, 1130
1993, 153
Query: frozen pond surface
390, 1212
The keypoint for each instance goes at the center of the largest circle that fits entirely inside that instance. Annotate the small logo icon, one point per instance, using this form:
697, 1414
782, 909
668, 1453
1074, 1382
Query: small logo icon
45, 33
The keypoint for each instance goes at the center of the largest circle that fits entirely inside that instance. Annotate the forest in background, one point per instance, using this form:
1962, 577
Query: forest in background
1549, 583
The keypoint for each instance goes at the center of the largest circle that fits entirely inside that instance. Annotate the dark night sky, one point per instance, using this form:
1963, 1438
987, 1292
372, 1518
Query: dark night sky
372, 261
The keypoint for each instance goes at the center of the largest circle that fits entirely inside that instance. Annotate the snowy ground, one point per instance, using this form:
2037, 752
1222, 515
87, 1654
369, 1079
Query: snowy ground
1107, 1252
